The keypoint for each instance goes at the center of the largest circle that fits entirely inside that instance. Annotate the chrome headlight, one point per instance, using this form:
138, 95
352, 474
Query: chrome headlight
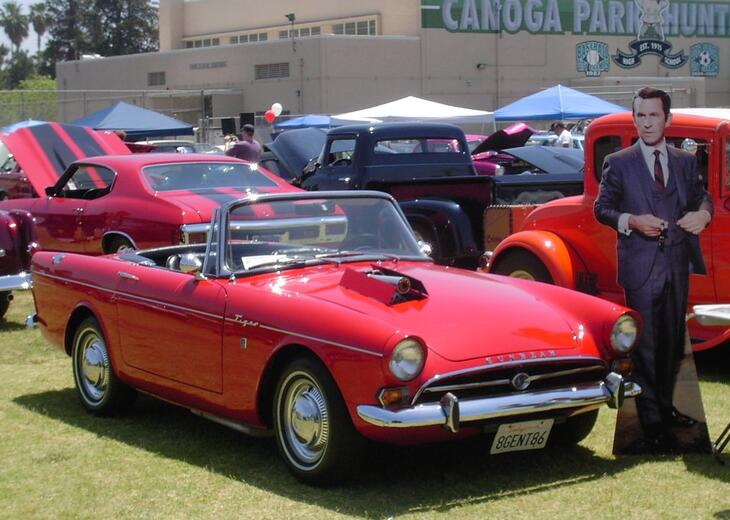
499, 170
624, 334
406, 360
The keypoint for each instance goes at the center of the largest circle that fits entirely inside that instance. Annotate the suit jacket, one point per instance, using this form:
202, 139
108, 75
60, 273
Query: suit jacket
624, 189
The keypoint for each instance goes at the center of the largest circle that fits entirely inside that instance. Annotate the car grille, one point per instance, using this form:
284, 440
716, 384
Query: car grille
497, 380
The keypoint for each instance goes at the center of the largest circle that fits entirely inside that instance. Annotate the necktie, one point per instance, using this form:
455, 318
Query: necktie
658, 171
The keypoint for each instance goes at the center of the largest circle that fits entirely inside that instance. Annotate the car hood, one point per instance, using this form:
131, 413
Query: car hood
295, 148
45, 150
551, 159
514, 135
465, 315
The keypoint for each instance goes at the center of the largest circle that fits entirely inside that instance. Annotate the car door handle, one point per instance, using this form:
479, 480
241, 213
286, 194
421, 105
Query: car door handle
128, 276
78, 210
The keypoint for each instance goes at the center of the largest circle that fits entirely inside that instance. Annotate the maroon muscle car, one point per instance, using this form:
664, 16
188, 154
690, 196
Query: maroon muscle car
17, 244
113, 202
315, 316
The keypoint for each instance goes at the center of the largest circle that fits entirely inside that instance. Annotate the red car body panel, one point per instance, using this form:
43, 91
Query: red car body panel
44, 151
131, 208
575, 248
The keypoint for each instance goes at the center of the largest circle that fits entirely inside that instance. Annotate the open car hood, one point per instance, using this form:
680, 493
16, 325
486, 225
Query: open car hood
551, 159
510, 137
295, 148
45, 150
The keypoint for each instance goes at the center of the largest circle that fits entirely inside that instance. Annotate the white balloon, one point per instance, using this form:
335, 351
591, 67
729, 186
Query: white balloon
276, 108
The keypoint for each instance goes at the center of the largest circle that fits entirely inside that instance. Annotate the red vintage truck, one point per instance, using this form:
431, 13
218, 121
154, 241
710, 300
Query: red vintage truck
561, 242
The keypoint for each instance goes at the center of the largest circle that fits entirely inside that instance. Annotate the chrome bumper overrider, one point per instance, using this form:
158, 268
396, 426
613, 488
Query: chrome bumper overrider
14, 282
451, 412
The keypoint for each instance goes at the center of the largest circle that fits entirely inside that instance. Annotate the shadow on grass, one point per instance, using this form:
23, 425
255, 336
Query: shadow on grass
10, 325
714, 365
394, 480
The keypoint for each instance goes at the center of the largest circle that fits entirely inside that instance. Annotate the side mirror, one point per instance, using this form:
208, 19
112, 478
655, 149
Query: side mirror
190, 263
689, 145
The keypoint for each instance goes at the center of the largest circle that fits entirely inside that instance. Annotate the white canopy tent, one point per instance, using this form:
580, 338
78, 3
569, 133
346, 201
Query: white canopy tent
412, 108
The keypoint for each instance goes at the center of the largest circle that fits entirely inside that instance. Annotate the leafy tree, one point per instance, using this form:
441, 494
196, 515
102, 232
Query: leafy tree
40, 19
14, 23
19, 67
3, 52
68, 35
120, 27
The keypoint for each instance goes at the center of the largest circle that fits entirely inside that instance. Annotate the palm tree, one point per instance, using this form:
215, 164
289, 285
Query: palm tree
40, 19
14, 23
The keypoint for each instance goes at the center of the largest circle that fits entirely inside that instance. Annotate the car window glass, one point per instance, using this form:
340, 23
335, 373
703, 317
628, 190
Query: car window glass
88, 182
420, 145
204, 175
341, 152
601, 148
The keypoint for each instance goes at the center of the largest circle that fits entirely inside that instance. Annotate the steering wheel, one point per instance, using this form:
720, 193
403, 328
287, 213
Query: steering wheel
343, 161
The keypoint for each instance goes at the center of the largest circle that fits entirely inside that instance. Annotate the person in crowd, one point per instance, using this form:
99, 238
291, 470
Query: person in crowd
652, 195
564, 139
248, 148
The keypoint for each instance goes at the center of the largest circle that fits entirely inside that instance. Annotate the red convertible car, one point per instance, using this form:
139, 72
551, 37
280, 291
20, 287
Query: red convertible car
315, 316
113, 202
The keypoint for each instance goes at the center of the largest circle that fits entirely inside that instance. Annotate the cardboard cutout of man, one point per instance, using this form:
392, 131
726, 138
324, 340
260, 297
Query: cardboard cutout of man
653, 196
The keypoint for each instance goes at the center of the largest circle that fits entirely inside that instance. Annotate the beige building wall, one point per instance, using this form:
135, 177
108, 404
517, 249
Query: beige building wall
336, 73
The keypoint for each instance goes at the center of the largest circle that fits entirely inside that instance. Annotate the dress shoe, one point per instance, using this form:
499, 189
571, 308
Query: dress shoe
679, 420
660, 443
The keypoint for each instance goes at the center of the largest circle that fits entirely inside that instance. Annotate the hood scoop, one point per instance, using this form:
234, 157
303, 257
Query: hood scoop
385, 285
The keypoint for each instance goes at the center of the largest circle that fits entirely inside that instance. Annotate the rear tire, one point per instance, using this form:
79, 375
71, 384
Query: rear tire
312, 426
99, 389
574, 429
118, 245
524, 265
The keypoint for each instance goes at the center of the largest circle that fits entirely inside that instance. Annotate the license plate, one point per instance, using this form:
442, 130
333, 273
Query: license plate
528, 435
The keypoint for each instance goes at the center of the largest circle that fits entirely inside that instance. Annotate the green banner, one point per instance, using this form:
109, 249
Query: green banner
640, 18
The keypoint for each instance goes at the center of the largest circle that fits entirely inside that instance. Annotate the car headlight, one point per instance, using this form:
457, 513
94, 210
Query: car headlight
624, 334
406, 360
499, 170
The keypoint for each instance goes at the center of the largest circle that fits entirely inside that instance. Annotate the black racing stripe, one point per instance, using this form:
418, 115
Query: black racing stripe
57, 152
83, 140
219, 197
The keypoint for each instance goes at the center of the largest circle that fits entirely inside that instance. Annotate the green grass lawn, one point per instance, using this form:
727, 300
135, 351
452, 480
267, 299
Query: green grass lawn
57, 461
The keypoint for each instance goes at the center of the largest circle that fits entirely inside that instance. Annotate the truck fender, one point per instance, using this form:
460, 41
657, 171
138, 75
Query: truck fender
560, 260
448, 224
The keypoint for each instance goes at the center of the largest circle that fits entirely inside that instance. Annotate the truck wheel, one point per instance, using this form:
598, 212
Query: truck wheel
523, 265
312, 426
99, 390
574, 429
4, 303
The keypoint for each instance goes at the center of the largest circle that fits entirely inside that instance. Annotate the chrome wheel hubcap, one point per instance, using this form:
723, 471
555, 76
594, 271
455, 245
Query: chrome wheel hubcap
523, 275
93, 365
305, 420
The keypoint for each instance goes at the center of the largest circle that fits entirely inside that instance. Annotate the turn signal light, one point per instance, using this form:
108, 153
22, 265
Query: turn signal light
390, 397
622, 366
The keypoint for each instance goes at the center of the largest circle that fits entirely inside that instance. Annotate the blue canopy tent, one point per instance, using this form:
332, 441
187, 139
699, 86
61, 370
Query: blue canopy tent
557, 103
21, 124
308, 121
137, 122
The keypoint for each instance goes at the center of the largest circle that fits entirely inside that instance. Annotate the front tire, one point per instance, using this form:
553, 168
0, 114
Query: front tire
118, 245
574, 429
524, 265
312, 426
98, 387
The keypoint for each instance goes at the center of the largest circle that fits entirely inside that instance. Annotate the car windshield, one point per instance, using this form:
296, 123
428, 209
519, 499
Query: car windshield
202, 175
300, 231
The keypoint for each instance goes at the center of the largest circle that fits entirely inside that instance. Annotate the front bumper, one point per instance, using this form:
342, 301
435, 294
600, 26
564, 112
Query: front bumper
451, 412
15, 282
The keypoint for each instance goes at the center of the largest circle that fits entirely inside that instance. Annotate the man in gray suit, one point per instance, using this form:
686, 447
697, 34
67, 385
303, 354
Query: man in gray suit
653, 196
